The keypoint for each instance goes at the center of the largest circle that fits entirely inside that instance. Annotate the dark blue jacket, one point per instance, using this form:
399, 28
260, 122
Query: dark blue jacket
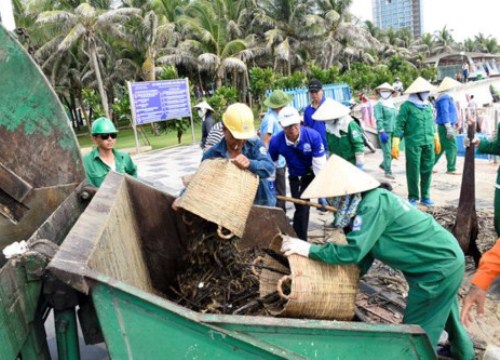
260, 164
319, 126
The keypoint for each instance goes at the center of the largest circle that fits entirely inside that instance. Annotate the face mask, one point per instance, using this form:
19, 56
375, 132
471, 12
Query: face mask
424, 95
201, 113
385, 94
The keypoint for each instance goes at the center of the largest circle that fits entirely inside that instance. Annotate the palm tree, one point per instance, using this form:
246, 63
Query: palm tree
85, 25
469, 45
211, 40
290, 28
373, 30
485, 44
425, 44
444, 40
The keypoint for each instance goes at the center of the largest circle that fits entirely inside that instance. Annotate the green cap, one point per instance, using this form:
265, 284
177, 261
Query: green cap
278, 99
103, 126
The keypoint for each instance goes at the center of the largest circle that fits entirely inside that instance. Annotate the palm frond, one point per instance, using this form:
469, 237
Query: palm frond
208, 61
53, 17
233, 47
231, 63
73, 36
85, 10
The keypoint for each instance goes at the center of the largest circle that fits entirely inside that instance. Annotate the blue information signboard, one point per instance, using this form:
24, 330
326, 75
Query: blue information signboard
160, 100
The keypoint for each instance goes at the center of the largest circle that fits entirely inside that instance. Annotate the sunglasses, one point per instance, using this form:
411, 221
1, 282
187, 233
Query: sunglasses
107, 136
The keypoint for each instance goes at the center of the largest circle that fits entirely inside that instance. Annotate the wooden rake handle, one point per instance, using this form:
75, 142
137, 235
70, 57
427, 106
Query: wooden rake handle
306, 203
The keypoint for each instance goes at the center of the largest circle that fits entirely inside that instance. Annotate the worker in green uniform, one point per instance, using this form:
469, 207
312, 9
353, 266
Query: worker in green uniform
385, 116
415, 121
380, 225
104, 158
491, 147
343, 134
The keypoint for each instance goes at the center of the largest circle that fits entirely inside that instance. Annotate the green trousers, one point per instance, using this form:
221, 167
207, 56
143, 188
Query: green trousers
448, 146
419, 163
387, 155
496, 206
433, 304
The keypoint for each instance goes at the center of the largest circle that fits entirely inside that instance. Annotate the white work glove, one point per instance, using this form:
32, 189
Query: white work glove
16, 248
449, 131
467, 142
360, 161
291, 245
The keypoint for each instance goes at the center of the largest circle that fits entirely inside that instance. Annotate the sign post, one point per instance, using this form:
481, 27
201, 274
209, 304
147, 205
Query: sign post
153, 101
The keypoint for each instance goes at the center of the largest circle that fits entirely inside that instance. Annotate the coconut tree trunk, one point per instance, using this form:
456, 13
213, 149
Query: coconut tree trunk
148, 73
95, 65
111, 92
246, 82
218, 80
85, 115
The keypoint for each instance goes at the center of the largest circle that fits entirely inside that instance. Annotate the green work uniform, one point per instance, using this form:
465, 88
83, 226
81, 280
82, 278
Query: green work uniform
449, 147
416, 124
492, 147
386, 119
388, 228
96, 169
349, 143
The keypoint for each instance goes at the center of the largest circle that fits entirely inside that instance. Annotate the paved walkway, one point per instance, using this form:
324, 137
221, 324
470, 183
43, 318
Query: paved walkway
164, 169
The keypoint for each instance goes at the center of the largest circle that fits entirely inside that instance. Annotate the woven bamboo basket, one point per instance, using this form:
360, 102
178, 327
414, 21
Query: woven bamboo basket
222, 193
316, 290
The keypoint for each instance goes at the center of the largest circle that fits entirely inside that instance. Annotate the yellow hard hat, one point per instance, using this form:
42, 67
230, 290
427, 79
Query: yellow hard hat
238, 119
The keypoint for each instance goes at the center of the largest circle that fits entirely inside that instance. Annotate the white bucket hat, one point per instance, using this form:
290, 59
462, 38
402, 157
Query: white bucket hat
420, 85
447, 84
339, 178
289, 116
204, 105
329, 110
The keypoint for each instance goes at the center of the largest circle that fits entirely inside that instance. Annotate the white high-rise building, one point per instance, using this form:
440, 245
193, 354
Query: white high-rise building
398, 14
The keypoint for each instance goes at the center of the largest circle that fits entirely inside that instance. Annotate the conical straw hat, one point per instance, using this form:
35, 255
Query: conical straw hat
420, 85
222, 193
447, 84
203, 105
338, 178
329, 110
385, 86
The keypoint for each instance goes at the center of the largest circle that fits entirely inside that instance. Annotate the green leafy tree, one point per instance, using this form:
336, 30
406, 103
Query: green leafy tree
85, 25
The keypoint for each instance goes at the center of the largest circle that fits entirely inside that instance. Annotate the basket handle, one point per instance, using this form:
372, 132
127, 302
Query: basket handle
258, 260
220, 233
185, 220
279, 286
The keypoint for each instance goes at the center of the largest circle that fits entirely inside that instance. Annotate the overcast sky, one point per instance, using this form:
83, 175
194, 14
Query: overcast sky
465, 18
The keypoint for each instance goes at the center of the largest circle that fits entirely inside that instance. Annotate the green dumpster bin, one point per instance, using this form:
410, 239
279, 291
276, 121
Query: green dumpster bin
125, 251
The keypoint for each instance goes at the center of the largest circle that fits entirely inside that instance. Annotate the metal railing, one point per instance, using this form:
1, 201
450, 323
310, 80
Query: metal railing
340, 92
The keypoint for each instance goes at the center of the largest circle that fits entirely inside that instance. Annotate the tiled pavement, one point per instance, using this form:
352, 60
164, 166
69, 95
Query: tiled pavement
164, 169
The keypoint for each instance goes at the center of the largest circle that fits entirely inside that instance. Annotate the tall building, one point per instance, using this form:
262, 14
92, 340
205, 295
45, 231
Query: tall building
398, 14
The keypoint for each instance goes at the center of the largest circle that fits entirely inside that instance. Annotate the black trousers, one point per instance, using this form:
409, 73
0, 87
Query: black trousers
280, 185
301, 217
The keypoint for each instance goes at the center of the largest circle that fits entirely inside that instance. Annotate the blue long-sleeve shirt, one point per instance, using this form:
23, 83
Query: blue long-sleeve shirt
260, 164
319, 126
446, 112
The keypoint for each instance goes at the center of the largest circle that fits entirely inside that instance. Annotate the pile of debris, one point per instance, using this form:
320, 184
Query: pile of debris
486, 237
220, 279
